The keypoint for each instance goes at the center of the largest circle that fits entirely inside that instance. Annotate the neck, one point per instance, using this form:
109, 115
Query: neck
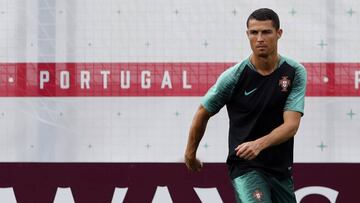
265, 65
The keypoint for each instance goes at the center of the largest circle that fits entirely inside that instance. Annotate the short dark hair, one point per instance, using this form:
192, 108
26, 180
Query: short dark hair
263, 14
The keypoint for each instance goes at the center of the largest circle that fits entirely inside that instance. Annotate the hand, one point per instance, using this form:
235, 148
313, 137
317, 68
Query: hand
193, 164
248, 150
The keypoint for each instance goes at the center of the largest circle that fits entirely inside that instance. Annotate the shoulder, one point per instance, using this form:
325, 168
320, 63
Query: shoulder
296, 99
293, 63
229, 78
221, 91
300, 70
233, 72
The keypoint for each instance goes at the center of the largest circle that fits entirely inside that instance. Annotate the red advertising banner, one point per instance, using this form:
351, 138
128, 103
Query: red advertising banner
94, 183
152, 79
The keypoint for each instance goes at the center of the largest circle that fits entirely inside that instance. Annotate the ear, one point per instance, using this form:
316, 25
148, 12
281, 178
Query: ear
247, 33
279, 33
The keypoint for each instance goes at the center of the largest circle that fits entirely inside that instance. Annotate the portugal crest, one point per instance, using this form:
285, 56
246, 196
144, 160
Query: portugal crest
258, 195
284, 83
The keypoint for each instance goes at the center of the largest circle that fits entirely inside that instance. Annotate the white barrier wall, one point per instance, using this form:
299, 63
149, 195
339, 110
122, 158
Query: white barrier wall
154, 129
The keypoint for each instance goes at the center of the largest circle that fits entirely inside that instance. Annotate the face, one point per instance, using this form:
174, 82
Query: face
263, 37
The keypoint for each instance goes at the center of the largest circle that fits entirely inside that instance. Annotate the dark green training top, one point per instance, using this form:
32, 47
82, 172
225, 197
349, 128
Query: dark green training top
255, 105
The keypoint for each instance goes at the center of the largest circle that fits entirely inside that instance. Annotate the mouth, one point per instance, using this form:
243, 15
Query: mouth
261, 47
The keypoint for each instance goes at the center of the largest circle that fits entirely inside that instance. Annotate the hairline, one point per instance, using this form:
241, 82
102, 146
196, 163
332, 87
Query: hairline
272, 23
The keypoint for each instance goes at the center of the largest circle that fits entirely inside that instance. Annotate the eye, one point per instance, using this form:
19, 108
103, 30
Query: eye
267, 32
254, 32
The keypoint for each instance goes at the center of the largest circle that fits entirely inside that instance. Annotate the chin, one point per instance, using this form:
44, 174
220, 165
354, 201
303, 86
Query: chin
263, 55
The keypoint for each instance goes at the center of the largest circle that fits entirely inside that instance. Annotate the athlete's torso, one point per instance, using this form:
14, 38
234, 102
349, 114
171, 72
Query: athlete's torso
255, 105
255, 109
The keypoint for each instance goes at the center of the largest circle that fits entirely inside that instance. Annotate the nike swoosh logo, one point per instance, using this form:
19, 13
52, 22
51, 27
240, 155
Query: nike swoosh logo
248, 93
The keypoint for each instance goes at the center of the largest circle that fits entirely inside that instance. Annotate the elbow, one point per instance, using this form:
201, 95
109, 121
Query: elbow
293, 128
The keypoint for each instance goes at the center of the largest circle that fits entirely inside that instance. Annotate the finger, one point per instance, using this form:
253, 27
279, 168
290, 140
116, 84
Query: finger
247, 153
248, 156
241, 150
195, 166
252, 154
240, 146
199, 165
251, 157
192, 168
189, 165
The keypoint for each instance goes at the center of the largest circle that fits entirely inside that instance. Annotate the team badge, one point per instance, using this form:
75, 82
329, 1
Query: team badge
258, 195
284, 83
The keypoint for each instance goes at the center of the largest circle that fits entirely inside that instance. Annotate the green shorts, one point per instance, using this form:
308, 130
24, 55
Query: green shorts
254, 187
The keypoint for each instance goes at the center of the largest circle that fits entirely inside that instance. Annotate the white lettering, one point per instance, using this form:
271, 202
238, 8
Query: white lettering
85, 79
64, 80
125, 83
119, 194
208, 194
185, 84
166, 80
145, 79
357, 79
63, 195
329, 193
44, 78
7, 195
162, 195
105, 74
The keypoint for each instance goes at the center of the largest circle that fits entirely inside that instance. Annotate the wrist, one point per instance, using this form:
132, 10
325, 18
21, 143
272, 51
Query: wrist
190, 156
262, 143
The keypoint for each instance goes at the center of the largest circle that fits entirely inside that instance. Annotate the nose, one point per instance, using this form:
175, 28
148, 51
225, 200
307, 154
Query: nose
260, 37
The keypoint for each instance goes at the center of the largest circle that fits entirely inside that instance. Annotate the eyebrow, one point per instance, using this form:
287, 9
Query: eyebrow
255, 30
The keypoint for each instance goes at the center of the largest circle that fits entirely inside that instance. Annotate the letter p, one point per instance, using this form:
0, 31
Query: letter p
44, 78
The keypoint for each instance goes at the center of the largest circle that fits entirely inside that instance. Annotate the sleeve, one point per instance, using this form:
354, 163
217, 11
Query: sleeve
220, 92
296, 98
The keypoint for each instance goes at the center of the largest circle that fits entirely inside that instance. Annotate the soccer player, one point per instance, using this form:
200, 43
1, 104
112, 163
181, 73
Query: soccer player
264, 96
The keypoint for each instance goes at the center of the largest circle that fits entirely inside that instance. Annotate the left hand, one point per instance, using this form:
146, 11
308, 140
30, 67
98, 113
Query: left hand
248, 150
193, 164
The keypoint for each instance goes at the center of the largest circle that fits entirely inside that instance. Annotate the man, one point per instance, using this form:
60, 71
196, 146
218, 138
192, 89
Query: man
264, 96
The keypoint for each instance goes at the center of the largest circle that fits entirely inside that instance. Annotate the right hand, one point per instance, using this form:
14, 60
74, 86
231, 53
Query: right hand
193, 164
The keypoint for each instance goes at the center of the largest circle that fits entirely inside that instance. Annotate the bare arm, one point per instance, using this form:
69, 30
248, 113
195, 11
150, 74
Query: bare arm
196, 133
287, 130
